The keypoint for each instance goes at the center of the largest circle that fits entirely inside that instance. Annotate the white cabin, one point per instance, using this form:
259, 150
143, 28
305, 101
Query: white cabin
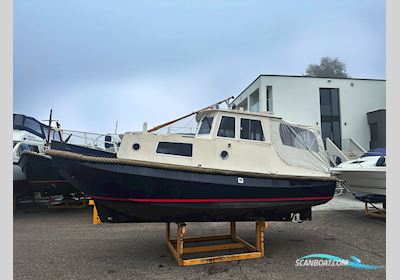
235, 140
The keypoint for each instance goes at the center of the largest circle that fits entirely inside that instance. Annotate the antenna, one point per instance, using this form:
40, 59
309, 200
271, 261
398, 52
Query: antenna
116, 126
48, 134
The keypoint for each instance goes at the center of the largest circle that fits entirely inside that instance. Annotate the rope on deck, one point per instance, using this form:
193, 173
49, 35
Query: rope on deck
35, 154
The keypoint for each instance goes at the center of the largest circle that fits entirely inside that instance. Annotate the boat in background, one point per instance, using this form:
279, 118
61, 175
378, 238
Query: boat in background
83, 150
239, 166
365, 176
28, 135
34, 168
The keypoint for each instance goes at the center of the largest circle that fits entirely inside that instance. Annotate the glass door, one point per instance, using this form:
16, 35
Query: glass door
330, 115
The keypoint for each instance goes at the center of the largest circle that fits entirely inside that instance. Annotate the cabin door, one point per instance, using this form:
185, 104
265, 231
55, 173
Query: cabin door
330, 115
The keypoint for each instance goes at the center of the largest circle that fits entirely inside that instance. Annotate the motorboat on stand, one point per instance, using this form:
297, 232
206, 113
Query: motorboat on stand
29, 135
365, 177
239, 166
35, 167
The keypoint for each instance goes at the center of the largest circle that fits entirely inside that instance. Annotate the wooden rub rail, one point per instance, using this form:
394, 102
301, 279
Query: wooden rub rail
176, 245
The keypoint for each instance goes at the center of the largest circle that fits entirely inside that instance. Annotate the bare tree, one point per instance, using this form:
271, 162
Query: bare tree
328, 68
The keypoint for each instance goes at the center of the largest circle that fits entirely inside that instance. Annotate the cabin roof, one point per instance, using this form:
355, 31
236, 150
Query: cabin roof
200, 114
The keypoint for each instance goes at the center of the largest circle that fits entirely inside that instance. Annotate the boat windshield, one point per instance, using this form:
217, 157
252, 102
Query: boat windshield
375, 152
206, 124
33, 126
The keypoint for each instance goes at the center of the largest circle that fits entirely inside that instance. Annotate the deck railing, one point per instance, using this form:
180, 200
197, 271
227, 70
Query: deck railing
335, 155
108, 142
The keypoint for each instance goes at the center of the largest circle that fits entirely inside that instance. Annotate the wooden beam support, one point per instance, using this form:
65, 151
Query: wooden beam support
260, 227
210, 248
375, 212
233, 229
223, 258
177, 249
205, 238
247, 244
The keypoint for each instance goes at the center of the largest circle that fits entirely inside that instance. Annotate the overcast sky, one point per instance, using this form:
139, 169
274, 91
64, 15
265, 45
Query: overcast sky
94, 62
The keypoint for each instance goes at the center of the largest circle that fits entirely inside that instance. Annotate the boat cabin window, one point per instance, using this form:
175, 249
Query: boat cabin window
23, 147
33, 148
227, 127
298, 137
173, 148
251, 130
205, 126
26, 147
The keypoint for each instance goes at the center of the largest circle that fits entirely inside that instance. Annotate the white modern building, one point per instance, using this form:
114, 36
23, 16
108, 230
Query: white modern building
339, 106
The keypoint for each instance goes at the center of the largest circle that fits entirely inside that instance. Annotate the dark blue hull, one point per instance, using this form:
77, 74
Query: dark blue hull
42, 177
128, 193
370, 198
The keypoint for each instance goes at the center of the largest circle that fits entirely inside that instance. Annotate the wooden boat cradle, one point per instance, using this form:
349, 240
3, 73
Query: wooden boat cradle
67, 203
178, 250
374, 211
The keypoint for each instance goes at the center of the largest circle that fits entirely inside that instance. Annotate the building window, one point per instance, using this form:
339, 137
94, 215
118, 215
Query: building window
269, 99
374, 131
243, 105
251, 130
172, 148
298, 137
254, 105
227, 127
206, 124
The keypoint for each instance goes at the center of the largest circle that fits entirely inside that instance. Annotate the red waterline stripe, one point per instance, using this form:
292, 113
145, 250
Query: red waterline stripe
185, 200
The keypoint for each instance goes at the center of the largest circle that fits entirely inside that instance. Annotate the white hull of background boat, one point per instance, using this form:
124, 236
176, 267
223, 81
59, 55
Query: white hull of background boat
18, 175
369, 181
363, 175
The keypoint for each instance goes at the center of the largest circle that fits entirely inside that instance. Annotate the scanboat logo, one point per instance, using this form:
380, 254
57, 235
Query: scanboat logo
330, 260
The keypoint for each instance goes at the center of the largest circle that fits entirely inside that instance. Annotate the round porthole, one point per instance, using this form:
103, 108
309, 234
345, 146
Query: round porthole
224, 154
136, 146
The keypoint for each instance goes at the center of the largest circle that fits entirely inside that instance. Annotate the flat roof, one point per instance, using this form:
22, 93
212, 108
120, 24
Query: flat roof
299, 76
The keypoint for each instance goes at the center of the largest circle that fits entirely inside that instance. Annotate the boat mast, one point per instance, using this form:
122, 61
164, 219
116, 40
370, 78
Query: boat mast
48, 134
188, 115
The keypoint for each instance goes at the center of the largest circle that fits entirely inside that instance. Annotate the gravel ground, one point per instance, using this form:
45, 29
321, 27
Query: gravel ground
63, 244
